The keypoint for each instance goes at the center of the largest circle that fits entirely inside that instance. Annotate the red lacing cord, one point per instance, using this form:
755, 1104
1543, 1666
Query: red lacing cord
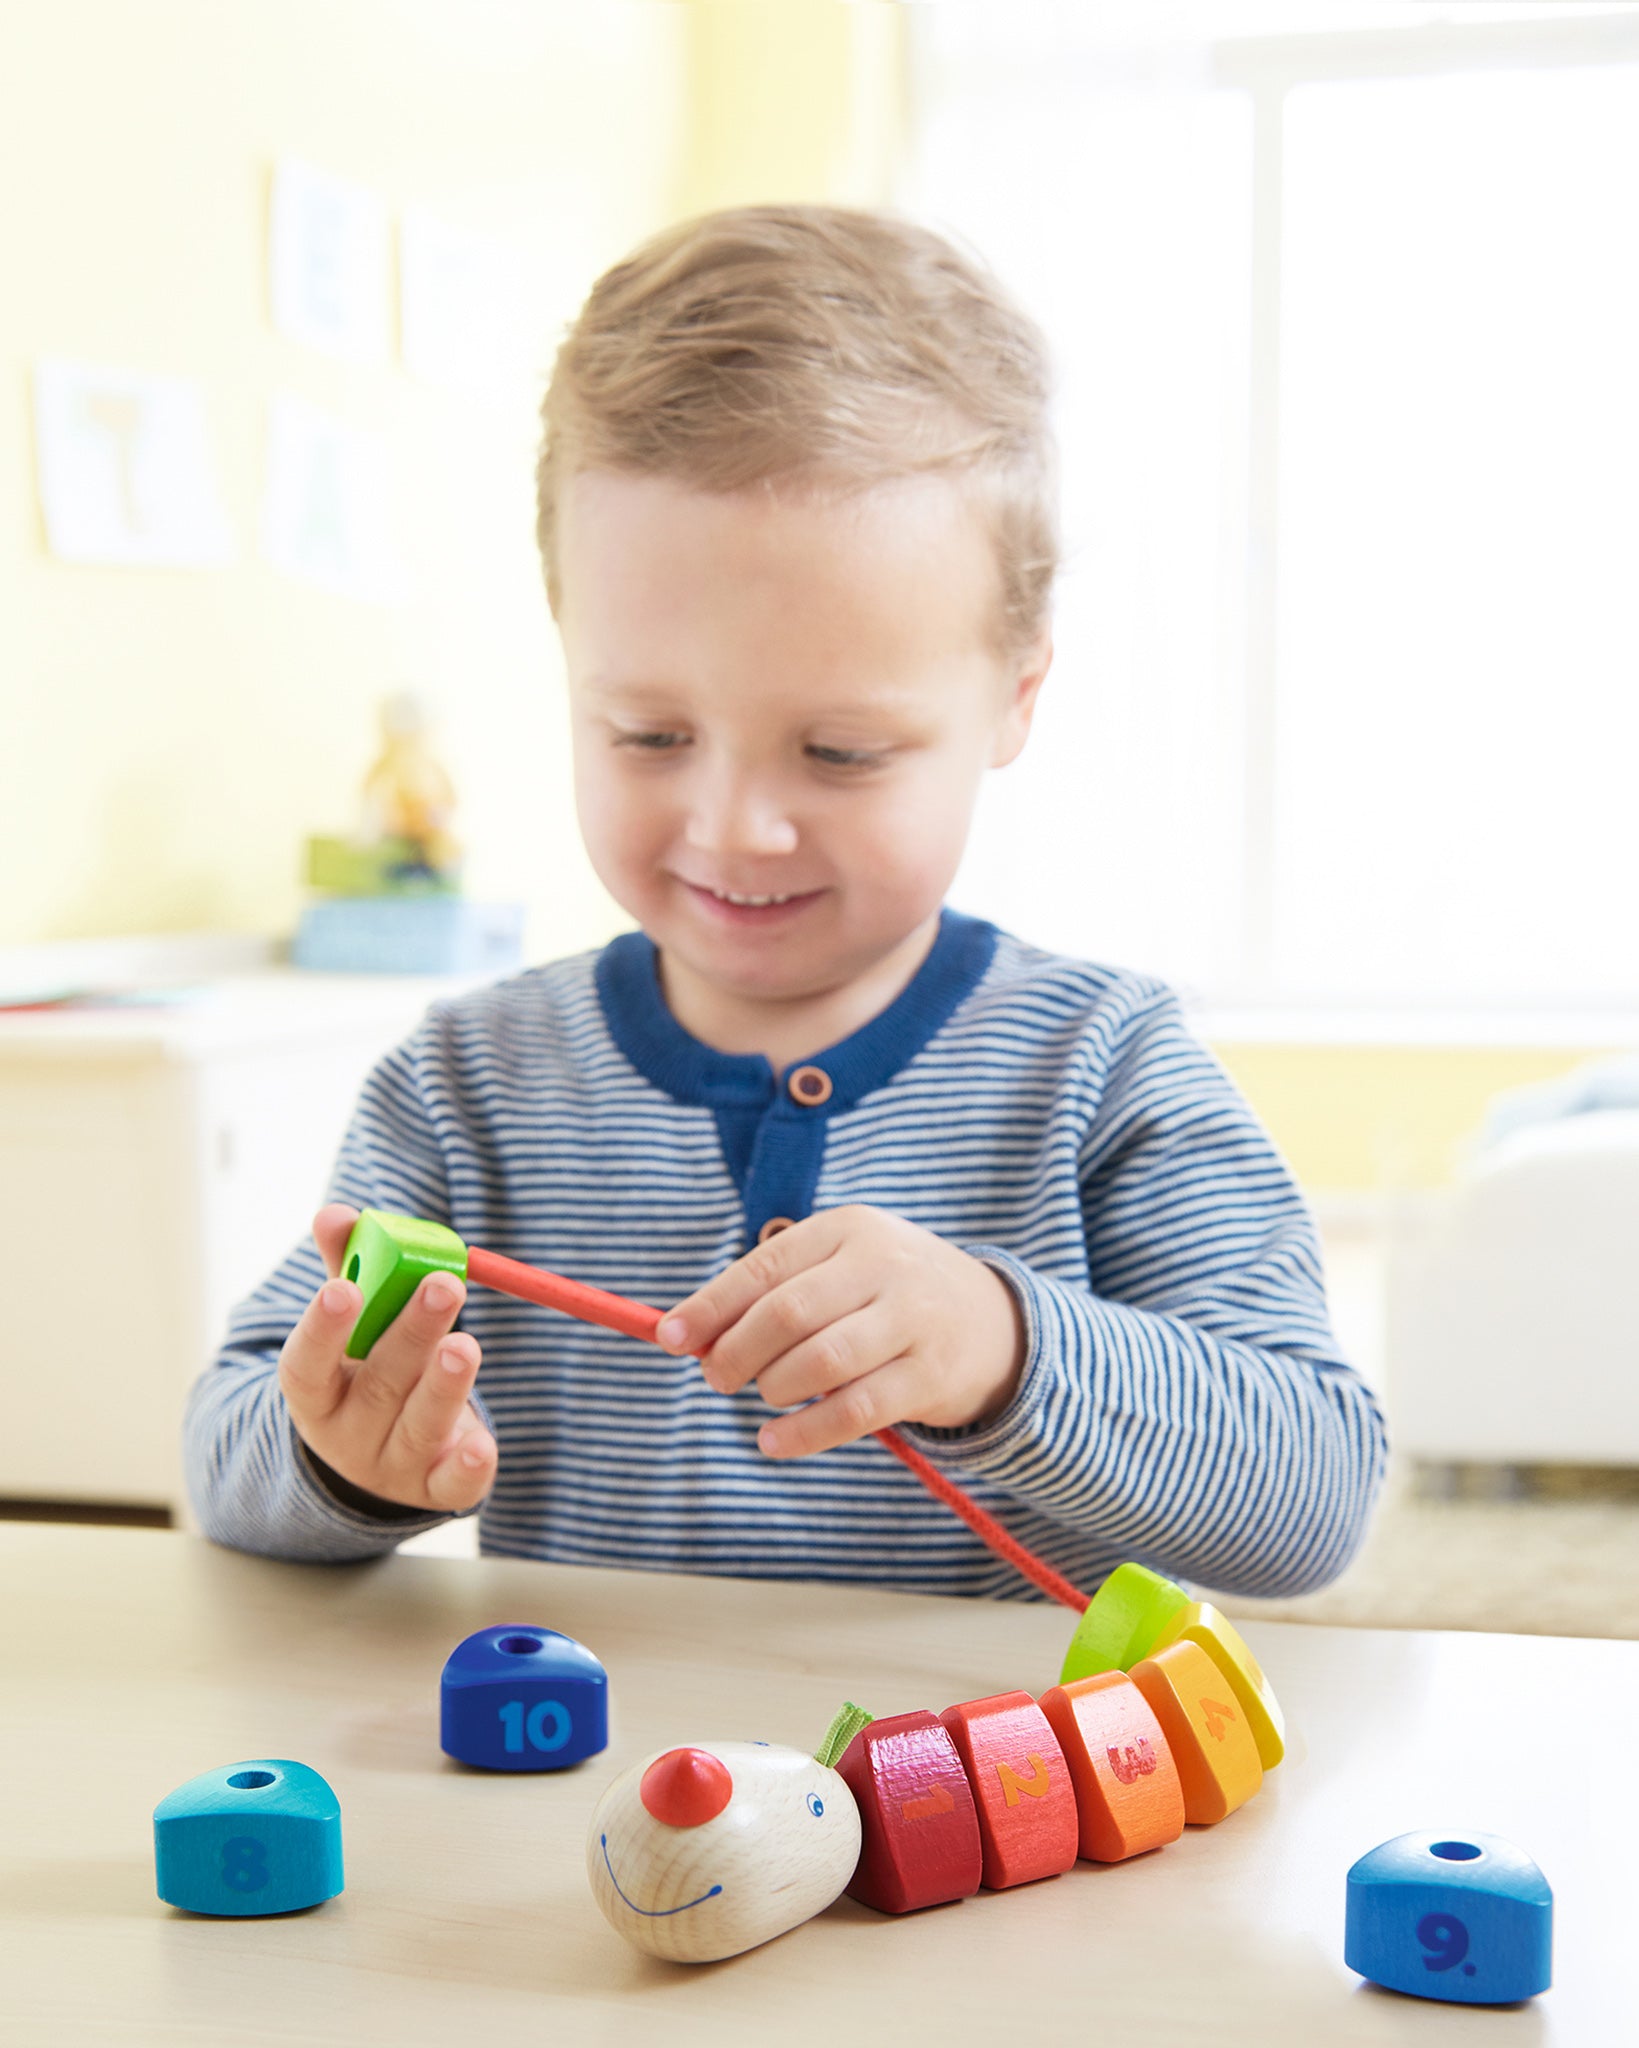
637, 1319
984, 1526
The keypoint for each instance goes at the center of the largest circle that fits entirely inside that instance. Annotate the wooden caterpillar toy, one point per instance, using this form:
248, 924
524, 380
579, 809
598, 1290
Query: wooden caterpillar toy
705, 1850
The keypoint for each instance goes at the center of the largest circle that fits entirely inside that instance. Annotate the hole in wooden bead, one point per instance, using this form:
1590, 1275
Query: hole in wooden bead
1454, 1852
248, 1781
353, 1267
519, 1646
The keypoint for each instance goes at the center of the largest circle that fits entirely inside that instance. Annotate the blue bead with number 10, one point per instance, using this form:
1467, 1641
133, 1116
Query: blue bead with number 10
248, 1839
1464, 1918
523, 1699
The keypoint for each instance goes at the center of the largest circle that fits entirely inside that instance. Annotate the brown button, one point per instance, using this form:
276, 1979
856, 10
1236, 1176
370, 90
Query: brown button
773, 1226
808, 1085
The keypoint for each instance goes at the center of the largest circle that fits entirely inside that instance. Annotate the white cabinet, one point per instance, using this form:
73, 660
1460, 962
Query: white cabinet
1512, 1316
154, 1165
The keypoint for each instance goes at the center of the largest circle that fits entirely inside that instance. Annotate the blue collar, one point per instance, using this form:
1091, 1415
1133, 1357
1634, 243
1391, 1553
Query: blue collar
628, 985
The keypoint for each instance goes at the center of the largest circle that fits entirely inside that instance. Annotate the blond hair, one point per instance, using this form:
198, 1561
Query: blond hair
815, 346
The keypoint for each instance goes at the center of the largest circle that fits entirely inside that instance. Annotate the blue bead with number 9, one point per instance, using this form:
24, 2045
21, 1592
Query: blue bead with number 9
249, 1838
1464, 1918
523, 1699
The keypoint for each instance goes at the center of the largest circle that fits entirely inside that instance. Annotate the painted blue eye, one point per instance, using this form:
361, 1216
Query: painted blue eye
816, 1805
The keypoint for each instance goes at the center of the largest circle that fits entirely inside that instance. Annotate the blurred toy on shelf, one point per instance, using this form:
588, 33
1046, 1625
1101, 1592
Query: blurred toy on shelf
391, 899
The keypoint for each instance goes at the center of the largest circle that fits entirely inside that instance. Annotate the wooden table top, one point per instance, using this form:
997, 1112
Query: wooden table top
131, 1660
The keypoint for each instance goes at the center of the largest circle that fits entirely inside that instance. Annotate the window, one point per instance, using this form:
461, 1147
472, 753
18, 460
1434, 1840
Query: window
1346, 704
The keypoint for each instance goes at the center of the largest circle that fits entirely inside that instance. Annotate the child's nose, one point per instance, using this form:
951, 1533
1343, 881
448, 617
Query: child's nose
740, 816
686, 1787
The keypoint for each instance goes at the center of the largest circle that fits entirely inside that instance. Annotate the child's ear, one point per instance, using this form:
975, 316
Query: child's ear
1027, 671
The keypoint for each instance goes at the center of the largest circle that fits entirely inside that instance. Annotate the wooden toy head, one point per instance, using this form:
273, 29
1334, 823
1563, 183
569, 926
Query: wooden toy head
387, 1258
703, 1851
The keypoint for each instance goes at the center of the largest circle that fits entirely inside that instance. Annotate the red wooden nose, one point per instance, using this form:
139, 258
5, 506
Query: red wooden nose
685, 1787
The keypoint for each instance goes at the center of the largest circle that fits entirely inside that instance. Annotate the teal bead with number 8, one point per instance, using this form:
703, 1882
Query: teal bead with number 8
249, 1838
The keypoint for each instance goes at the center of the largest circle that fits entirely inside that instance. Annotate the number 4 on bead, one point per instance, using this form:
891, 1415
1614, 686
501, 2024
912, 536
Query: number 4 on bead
533, 1724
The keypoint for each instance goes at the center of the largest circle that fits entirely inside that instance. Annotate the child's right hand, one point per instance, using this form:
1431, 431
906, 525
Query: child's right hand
397, 1424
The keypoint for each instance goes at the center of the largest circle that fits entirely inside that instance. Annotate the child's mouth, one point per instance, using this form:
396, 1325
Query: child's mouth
751, 913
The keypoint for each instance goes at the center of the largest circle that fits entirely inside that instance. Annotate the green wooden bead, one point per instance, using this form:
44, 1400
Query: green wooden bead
387, 1258
1123, 1622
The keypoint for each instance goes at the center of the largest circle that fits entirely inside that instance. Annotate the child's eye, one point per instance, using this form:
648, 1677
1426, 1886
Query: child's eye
650, 742
845, 757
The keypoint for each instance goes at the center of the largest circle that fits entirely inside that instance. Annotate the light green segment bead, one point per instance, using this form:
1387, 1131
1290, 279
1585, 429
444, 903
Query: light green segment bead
387, 1258
1124, 1619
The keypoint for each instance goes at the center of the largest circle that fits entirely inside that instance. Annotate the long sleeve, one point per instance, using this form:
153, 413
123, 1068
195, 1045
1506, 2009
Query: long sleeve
252, 1482
1183, 1401
1188, 1405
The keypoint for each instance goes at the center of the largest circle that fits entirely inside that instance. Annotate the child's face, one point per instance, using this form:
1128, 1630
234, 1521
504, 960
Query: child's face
782, 695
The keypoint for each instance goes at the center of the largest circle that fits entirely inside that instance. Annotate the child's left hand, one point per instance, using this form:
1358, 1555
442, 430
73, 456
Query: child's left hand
871, 1319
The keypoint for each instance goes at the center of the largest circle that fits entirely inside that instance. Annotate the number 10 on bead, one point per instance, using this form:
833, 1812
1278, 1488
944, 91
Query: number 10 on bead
544, 1726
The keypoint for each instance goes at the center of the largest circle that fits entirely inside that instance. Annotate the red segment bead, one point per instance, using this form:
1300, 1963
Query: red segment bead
686, 1787
1028, 1824
919, 1833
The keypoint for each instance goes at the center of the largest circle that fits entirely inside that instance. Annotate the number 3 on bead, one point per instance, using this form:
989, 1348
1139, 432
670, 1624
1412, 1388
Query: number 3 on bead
244, 1864
517, 1727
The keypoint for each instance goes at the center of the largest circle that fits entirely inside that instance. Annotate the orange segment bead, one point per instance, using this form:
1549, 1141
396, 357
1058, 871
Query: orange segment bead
1021, 1787
1127, 1786
1206, 1731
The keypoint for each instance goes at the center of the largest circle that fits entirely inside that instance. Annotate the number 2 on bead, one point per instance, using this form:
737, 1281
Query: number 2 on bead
517, 1726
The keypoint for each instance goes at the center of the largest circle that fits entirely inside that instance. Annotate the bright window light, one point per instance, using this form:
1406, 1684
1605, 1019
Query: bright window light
1346, 704
1457, 712
1121, 220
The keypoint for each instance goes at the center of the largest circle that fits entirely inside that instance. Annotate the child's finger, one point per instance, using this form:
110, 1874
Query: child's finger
696, 1324
382, 1383
845, 1347
465, 1472
864, 1406
433, 1407
798, 1318
332, 1227
313, 1369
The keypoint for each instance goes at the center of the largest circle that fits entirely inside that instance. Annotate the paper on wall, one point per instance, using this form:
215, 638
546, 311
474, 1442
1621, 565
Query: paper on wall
125, 468
325, 511
462, 322
329, 254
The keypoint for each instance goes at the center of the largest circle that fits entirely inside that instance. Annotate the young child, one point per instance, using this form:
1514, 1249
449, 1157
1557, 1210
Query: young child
886, 1163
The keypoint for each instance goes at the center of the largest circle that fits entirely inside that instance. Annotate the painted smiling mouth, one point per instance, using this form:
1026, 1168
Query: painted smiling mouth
660, 1913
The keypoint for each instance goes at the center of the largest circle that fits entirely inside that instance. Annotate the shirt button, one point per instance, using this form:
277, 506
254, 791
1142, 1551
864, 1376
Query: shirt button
773, 1227
808, 1085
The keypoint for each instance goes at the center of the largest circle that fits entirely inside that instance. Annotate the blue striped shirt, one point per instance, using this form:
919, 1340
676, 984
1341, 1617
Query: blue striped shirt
1182, 1402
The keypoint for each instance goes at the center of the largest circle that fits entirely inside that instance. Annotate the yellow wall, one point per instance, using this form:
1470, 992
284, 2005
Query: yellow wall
169, 736
799, 100
1383, 1119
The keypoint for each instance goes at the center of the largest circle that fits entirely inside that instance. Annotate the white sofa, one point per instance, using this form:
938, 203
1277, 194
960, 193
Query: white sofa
1512, 1308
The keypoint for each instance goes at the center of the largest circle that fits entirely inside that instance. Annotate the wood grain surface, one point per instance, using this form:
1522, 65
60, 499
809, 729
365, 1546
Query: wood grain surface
130, 1660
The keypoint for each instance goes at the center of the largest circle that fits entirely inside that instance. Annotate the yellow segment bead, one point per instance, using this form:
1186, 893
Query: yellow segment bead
1201, 1623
